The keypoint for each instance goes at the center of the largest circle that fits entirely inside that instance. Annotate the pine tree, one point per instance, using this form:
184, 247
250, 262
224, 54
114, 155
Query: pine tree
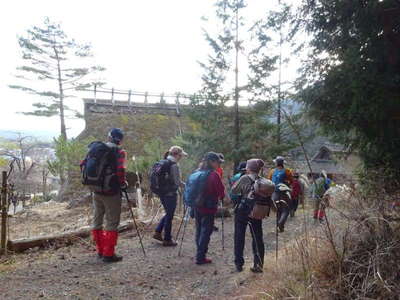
350, 81
56, 65
222, 64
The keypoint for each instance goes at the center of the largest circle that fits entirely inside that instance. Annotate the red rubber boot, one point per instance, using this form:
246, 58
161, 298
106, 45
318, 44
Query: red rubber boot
97, 236
110, 241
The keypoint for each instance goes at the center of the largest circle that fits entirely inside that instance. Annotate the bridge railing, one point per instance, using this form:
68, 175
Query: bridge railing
112, 96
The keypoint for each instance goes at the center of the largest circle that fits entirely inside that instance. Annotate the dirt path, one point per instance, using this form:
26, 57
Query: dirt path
74, 272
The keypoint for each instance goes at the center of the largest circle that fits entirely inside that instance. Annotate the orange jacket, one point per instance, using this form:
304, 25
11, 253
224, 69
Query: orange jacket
288, 172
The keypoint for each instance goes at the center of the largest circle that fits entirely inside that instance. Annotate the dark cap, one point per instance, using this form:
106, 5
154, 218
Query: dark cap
116, 135
242, 166
212, 156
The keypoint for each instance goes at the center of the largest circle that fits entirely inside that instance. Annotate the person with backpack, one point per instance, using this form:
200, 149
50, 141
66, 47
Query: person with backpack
169, 181
103, 170
240, 171
295, 194
203, 190
318, 190
282, 178
255, 200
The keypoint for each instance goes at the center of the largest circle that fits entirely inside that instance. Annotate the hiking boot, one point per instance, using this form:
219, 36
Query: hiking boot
215, 228
292, 212
239, 268
112, 259
170, 243
157, 236
204, 261
281, 228
256, 269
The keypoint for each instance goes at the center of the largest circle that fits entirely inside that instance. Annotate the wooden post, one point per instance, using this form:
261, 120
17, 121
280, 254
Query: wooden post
129, 97
162, 100
145, 97
112, 96
95, 93
4, 215
178, 113
177, 103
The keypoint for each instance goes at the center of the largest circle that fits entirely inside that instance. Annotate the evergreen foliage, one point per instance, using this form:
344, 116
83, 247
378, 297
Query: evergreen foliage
55, 65
351, 78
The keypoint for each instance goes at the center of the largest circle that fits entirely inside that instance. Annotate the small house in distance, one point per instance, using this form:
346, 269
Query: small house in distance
337, 161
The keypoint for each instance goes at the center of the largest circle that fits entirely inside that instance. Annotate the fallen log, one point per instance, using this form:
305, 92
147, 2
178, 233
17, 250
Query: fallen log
67, 238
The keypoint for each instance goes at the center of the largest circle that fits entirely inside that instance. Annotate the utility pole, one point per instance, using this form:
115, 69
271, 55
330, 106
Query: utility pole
278, 137
237, 46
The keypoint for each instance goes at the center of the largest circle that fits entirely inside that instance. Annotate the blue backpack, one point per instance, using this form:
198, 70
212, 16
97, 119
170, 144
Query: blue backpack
195, 187
235, 198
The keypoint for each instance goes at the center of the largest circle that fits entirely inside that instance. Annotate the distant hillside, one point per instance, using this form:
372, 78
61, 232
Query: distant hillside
44, 136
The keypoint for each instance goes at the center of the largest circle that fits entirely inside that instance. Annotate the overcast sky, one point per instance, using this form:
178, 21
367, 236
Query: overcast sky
146, 45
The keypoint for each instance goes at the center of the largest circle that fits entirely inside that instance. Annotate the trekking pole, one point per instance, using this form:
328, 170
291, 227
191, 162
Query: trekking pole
186, 219
181, 223
222, 226
134, 222
276, 232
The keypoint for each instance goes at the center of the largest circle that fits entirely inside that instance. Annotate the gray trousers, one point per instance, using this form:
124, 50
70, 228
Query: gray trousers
110, 206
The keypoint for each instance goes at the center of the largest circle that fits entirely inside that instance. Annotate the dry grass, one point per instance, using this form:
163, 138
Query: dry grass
355, 255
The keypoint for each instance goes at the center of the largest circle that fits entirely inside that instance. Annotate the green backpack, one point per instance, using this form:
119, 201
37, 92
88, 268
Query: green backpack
319, 187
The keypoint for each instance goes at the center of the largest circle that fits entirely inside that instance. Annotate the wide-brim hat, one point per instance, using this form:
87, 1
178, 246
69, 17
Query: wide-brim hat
175, 150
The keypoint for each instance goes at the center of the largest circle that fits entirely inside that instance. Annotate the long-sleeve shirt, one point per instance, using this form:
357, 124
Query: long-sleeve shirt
121, 165
214, 190
174, 176
244, 185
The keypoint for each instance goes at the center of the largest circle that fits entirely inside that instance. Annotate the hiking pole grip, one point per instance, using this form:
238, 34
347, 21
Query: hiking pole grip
135, 224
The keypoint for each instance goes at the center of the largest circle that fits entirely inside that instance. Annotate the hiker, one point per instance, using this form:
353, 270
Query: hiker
107, 197
295, 194
169, 185
244, 213
304, 183
240, 171
204, 211
219, 170
318, 190
280, 174
282, 178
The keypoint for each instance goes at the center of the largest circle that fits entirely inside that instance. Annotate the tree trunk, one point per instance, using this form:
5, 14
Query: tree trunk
67, 238
62, 116
278, 136
237, 128
44, 183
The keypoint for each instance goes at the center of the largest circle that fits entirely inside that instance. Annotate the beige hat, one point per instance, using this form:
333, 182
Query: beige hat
175, 150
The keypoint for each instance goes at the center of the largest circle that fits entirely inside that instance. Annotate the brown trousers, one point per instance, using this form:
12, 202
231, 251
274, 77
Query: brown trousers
110, 206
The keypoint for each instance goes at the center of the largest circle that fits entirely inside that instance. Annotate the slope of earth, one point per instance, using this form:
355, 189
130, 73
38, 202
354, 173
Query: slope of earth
74, 272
